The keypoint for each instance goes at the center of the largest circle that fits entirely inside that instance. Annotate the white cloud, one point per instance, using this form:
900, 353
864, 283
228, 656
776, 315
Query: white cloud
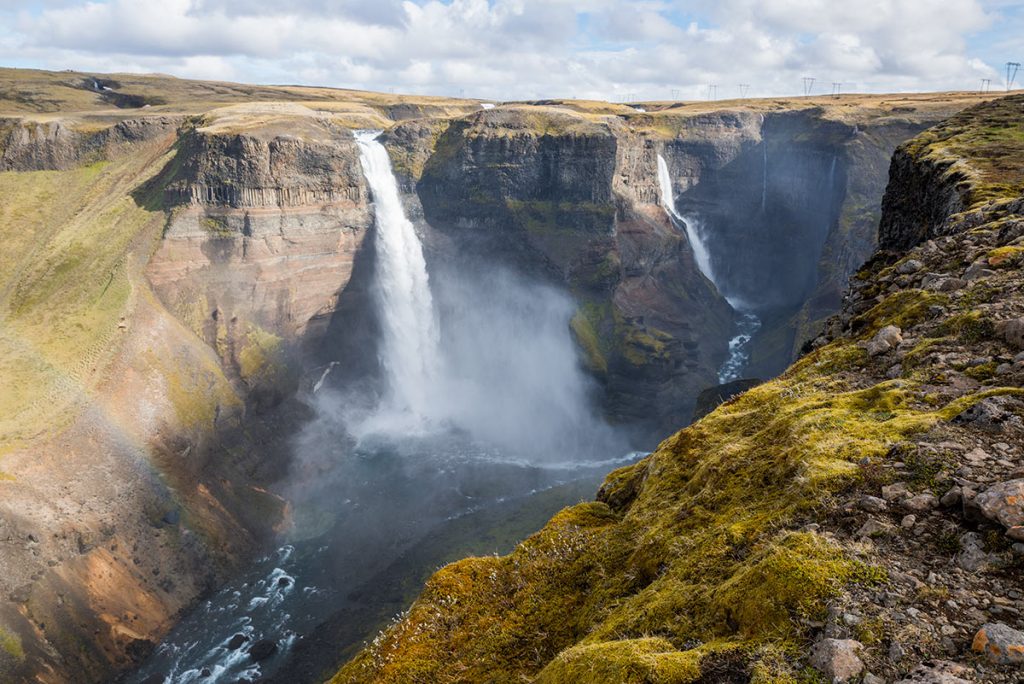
519, 48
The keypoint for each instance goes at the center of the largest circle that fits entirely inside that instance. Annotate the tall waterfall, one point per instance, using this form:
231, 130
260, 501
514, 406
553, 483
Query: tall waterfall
700, 250
748, 323
409, 340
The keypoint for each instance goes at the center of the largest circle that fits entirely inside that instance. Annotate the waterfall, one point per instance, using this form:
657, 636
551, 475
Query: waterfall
690, 224
748, 323
409, 328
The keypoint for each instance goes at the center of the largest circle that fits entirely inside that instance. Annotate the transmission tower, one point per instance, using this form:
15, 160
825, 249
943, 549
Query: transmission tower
985, 84
744, 87
712, 91
1011, 74
675, 93
837, 89
808, 84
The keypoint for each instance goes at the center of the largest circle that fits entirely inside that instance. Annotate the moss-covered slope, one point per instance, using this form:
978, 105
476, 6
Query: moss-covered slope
741, 540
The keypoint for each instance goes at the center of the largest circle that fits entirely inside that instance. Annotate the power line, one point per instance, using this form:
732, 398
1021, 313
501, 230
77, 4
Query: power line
808, 84
1011, 74
744, 87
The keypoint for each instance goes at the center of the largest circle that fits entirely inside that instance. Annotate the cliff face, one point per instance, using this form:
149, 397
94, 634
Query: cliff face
263, 230
786, 201
848, 516
574, 201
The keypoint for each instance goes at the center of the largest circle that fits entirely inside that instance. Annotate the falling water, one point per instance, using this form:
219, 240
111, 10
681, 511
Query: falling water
748, 323
690, 224
409, 340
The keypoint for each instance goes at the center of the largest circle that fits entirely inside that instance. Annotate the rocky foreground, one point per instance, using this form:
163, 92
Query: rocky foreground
860, 518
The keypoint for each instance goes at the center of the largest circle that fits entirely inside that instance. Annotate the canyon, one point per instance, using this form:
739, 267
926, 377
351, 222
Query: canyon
190, 269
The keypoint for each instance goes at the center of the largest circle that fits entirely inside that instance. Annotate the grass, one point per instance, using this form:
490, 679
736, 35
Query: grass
65, 284
985, 145
11, 644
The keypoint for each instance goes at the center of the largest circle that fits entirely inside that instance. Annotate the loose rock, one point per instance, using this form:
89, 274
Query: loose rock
1003, 503
837, 659
1000, 643
940, 672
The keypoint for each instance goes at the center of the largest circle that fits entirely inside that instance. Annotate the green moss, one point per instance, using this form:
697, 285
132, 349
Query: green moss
970, 327
11, 644
586, 337
217, 227
982, 372
1006, 257
903, 308
641, 346
632, 661
547, 218
261, 357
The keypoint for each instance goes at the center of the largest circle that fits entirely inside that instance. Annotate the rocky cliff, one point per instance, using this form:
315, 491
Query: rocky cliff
858, 517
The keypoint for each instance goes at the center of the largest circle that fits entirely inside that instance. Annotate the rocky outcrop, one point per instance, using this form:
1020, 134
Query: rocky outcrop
61, 144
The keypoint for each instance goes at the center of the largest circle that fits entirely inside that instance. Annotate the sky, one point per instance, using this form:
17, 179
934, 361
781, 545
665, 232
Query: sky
617, 50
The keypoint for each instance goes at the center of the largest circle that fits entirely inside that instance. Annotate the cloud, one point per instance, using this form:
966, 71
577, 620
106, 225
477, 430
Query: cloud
510, 49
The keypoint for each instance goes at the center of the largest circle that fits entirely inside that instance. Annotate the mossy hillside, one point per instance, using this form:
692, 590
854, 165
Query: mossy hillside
66, 284
696, 546
984, 144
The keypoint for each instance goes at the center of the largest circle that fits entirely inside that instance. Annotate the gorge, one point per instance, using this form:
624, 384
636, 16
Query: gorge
357, 356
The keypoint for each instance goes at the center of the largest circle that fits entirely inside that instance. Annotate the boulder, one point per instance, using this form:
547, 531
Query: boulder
873, 504
937, 672
837, 659
1000, 643
235, 642
895, 491
921, 503
1012, 331
1003, 503
263, 649
885, 339
909, 266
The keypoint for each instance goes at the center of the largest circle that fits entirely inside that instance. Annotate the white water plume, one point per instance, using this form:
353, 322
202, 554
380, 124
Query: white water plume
409, 330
